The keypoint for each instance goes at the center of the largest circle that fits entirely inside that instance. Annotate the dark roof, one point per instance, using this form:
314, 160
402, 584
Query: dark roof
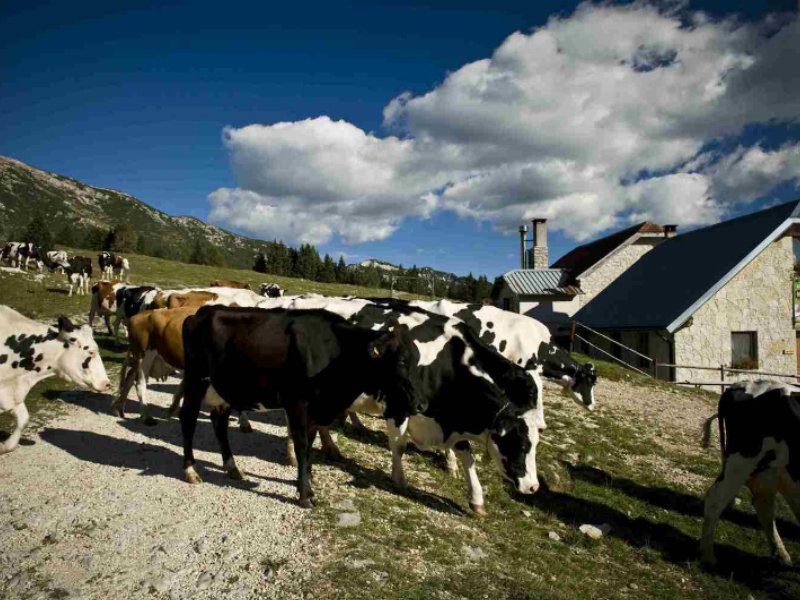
583, 257
664, 287
540, 282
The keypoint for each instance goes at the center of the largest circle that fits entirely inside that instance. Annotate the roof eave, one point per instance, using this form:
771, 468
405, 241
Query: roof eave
676, 324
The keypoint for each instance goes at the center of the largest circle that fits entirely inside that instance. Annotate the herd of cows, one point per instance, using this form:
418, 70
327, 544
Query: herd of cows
442, 374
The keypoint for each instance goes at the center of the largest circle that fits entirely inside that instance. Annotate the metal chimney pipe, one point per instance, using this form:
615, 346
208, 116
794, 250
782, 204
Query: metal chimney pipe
523, 230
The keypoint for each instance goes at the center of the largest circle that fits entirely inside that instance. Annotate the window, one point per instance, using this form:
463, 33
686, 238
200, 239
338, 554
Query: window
744, 350
506, 303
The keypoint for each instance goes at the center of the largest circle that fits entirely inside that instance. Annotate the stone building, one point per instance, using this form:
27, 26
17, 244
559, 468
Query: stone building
721, 295
553, 295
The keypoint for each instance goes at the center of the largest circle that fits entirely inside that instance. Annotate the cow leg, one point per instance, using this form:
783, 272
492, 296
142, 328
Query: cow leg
452, 462
299, 427
474, 489
356, 421
20, 412
107, 319
735, 474
126, 379
219, 419
397, 444
141, 387
244, 423
188, 416
175, 407
329, 447
790, 490
764, 487
291, 456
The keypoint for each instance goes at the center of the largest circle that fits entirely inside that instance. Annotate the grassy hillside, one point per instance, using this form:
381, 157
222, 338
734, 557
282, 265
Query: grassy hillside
25, 190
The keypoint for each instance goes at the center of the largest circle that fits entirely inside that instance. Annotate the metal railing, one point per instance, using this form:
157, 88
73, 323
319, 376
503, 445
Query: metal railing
574, 335
722, 369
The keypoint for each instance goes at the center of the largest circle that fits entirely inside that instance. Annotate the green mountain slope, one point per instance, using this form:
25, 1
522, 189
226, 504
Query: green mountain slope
24, 190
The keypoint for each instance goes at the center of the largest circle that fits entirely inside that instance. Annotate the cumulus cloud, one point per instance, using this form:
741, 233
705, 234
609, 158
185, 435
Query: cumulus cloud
593, 120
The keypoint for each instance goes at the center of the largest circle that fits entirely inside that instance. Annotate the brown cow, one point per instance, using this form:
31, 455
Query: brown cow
229, 284
183, 299
104, 300
156, 349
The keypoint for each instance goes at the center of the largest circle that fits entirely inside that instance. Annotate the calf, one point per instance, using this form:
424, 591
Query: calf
30, 352
271, 290
759, 433
310, 363
111, 264
78, 273
28, 252
227, 283
10, 253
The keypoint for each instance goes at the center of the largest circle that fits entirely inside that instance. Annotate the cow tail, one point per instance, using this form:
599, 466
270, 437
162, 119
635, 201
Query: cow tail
707, 430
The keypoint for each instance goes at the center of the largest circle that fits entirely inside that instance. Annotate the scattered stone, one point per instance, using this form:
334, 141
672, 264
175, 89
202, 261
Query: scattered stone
526, 513
379, 576
87, 562
633, 586
591, 531
475, 553
201, 545
204, 580
573, 457
269, 573
346, 505
230, 555
160, 584
349, 519
554, 536
360, 563
15, 582
19, 525
737, 501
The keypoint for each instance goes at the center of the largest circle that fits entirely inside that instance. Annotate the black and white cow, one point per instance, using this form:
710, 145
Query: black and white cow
56, 260
29, 252
111, 264
454, 365
79, 273
131, 300
759, 431
10, 253
312, 364
271, 290
525, 342
30, 352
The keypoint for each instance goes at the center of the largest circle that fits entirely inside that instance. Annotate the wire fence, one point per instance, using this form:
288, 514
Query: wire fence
656, 368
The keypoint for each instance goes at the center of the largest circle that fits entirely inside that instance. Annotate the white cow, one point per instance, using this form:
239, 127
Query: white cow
31, 352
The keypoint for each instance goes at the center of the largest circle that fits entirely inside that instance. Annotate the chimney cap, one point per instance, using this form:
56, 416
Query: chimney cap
539, 220
523, 228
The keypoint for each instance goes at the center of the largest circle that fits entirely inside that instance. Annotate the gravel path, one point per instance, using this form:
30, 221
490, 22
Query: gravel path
96, 508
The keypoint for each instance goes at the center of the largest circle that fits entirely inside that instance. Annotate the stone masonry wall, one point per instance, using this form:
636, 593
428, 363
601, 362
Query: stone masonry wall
758, 298
613, 267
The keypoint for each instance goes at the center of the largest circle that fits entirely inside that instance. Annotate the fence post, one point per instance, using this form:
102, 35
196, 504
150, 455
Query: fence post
572, 336
655, 369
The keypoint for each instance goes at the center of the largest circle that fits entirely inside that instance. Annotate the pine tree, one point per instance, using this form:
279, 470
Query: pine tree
38, 232
327, 273
67, 236
122, 238
260, 264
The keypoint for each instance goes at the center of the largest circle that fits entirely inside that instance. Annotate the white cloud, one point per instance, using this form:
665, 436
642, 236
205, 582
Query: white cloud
593, 120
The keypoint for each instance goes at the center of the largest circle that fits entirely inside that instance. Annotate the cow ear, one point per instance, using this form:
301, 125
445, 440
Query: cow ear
65, 325
390, 340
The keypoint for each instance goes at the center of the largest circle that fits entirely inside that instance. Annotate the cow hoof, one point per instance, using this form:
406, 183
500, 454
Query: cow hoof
235, 474
193, 478
334, 455
149, 421
400, 483
306, 503
291, 461
245, 427
478, 510
173, 412
117, 409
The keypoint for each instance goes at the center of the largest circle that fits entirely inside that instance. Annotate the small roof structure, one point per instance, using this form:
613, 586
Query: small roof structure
541, 282
583, 258
672, 281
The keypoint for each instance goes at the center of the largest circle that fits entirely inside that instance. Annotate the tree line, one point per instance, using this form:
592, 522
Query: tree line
306, 262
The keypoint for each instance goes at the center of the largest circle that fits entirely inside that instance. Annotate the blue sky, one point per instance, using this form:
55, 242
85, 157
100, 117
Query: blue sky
135, 96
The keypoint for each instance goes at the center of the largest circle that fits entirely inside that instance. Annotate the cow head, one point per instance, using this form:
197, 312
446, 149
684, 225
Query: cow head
80, 362
512, 445
581, 385
394, 357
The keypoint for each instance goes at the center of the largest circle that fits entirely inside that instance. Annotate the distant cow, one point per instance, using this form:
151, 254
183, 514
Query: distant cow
759, 432
271, 290
182, 299
78, 273
111, 264
30, 352
56, 260
227, 283
10, 253
29, 252
313, 364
